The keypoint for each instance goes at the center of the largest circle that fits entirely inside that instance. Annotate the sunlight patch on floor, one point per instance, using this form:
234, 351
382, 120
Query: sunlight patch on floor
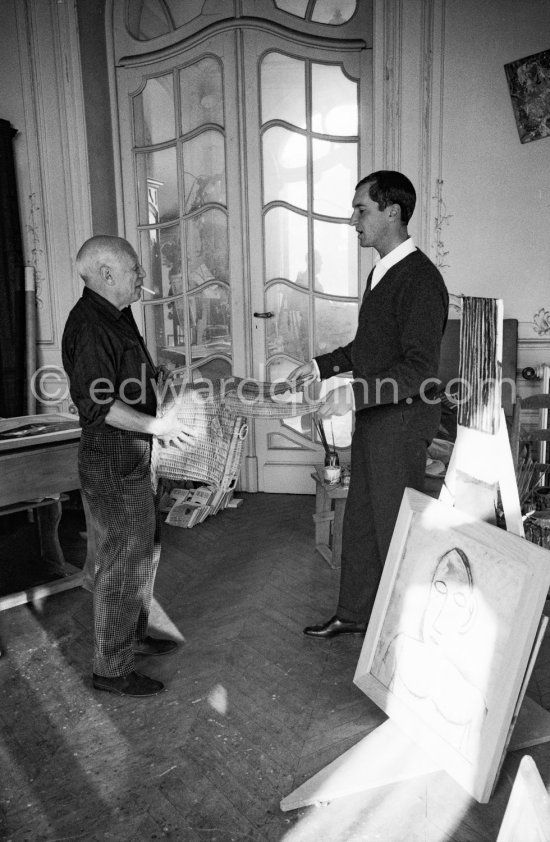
161, 624
64, 704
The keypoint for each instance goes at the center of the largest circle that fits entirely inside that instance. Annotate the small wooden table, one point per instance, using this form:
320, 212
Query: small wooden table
330, 503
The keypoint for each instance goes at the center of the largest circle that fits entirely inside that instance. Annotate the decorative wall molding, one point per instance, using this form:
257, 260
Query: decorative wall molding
441, 220
408, 101
57, 214
73, 128
541, 322
387, 83
433, 212
529, 335
33, 227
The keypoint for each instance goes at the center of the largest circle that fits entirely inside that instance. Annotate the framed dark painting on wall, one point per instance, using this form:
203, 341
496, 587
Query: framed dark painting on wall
529, 83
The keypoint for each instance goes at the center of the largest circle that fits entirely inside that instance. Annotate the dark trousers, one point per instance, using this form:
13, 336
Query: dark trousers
116, 481
388, 454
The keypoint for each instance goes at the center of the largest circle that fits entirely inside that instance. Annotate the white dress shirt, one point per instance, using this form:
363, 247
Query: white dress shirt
391, 258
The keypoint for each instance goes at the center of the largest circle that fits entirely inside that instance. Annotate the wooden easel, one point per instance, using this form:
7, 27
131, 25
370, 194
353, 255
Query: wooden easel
480, 461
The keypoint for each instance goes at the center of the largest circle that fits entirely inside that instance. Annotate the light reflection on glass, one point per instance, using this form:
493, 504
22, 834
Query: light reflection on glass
154, 120
210, 321
207, 247
201, 94
204, 170
334, 177
286, 254
335, 324
334, 101
336, 259
295, 7
157, 179
283, 89
165, 329
288, 331
161, 259
334, 12
284, 167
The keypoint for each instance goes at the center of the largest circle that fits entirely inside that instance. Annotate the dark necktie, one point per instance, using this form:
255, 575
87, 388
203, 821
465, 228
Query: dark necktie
369, 284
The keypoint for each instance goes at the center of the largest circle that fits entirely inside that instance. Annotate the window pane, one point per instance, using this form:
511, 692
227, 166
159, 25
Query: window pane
157, 185
295, 7
288, 331
204, 170
201, 94
286, 254
333, 11
334, 101
161, 259
335, 251
207, 248
335, 324
283, 89
213, 369
334, 177
164, 329
147, 19
279, 368
183, 13
210, 321
154, 112
284, 167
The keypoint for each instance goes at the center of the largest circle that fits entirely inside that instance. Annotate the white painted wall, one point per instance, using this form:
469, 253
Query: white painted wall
496, 189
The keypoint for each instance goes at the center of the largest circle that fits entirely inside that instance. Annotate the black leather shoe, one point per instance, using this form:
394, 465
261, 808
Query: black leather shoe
155, 646
134, 684
333, 627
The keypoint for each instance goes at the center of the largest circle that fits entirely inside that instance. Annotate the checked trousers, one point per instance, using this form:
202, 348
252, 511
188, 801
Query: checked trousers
114, 468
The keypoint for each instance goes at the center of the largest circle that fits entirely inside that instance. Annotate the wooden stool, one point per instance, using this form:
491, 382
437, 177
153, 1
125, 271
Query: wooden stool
330, 502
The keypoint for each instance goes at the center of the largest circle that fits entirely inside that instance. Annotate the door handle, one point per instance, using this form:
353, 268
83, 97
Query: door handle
268, 315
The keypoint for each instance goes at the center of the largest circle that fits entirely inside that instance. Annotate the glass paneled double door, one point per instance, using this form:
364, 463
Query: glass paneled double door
240, 155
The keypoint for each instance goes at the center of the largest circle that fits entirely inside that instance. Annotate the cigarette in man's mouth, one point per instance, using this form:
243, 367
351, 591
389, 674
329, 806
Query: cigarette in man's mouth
146, 289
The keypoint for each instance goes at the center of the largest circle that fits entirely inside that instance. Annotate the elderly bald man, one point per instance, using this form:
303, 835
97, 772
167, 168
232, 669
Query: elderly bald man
112, 383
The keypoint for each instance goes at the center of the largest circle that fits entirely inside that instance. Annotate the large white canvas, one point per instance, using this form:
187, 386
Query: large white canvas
450, 636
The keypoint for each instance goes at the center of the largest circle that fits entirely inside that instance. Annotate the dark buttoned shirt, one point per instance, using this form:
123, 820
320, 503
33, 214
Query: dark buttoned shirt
106, 359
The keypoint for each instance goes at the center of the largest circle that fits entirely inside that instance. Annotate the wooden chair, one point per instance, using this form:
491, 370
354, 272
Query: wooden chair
524, 440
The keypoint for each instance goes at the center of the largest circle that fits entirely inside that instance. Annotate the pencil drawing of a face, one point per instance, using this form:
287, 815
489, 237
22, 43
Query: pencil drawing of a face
451, 603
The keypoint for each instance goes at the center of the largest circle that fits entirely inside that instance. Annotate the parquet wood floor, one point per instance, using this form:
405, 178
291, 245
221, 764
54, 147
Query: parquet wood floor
252, 709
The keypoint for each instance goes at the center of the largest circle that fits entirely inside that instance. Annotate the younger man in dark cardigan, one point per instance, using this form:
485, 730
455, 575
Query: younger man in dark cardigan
394, 358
